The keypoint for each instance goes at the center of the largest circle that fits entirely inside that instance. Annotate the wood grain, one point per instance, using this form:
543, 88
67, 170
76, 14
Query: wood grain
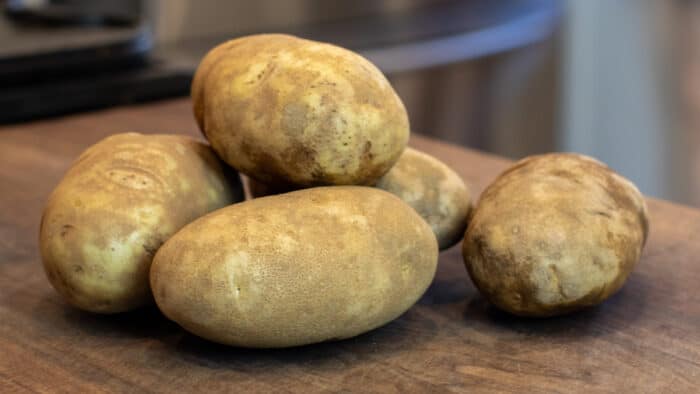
644, 339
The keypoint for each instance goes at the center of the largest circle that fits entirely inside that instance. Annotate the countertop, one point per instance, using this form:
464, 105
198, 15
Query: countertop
646, 338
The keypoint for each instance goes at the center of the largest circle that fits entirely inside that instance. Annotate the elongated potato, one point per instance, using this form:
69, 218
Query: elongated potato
116, 205
308, 266
425, 183
555, 233
285, 110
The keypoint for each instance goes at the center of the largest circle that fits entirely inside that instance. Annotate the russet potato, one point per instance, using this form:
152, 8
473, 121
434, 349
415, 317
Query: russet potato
555, 233
434, 190
308, 266
425, 183
286, 110
116, 205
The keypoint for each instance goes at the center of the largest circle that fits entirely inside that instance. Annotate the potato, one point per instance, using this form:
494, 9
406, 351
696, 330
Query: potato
116, 205
434, 190
308, 266
285, 110
553, 234
425, 183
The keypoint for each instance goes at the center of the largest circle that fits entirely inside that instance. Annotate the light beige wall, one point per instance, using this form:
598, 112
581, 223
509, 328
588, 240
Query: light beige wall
619, 96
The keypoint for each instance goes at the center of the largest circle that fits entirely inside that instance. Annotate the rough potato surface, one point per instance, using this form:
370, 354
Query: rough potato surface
286, 110
119, 201
425, 183
434, 190
554, 233
308, 266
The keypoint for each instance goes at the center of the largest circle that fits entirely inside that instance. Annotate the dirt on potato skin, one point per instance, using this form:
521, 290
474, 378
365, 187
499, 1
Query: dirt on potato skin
555, 233
285, 110
119, 201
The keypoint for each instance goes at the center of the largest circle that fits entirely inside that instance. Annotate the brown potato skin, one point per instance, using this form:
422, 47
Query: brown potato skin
286, 110
308, 266
554, 233
429, 186
119, 201
434, 190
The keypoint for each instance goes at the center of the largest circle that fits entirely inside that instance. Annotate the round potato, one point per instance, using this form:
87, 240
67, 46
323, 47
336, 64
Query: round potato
434, 190
308, 266
554, 233
116, 205
286, 110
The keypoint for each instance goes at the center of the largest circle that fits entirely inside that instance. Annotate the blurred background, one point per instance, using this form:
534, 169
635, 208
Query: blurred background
619, 80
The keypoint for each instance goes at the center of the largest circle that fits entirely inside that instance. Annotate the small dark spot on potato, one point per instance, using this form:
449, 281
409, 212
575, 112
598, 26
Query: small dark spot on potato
366, 151
67, 228
77, 268
151, 247
596, 261
567, 175
600, 213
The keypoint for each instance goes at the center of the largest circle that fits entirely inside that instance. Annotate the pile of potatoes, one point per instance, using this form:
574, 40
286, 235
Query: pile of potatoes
345, 223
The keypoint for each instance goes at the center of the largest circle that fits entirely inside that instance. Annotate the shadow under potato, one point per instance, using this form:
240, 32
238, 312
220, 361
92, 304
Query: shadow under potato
445, 291
451, 283
146, 322
615, 313
409, 330
55, 316
451, 312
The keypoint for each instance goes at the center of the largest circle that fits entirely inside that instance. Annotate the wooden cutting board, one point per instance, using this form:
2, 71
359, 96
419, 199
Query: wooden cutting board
644, 339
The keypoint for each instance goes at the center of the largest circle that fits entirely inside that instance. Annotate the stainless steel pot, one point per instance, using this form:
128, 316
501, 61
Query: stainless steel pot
480, 73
